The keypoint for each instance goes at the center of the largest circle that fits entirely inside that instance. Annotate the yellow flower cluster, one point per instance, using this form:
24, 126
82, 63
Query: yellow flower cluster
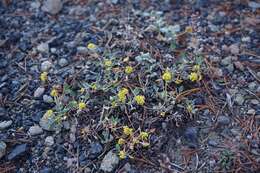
144, 135
82, 105
120, 141
122, 95
188, 29
128, 131
167, 76
129, 69
108, 63
122, 154
195, 76
140, 99
44, 76
91, 46
49, 113
54, 92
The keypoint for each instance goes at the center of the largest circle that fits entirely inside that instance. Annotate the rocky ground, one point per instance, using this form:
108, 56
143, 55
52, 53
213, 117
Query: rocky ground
78, 48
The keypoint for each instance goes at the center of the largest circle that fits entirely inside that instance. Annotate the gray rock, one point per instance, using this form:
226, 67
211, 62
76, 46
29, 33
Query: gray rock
239, 66
18, 151
5, 124
95, 149
2, 149
223, 120
239, 99
49, 141
226, 61
252, 86
246, 39
35, 5
255, 102
52, 6
213, 143
47, 99
191, 135
230, 68
82, 50
35, 130
43, 48
63, 62
234, 49
109, 162
254, 5
38, 92
46, 65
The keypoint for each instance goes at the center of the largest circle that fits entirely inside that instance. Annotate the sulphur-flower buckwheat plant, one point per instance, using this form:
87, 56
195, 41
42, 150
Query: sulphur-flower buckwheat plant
122, 95
82, 106
120, 141
195, 76
122, 154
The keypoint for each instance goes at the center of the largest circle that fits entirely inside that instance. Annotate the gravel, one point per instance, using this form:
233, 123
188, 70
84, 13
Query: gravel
5, 124
45, 66
49, 141
18, 151
223, 120
38, 92
43, 48
2, 149
35, 130
63, 62
52, 6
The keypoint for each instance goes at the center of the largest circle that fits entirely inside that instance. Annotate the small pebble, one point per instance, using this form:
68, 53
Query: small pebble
46, 65
38, 92
49, 141
35, 130
47, 99
63, 62
223, 120
2, 149
5, 124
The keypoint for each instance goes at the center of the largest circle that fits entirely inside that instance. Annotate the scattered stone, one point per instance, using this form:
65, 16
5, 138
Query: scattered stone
191, 135
2, 149
254, 5
47, 99
52, 6
35, 130
252, 86
251, 112
239, 99
255, 102
35, 5
63, 62
212, 143
46, 65
230, 68
49, 141
109, 162
234, 49
5, 124
223, 120
95, 149
39, 92
43, 48
239, 65
217, 72
226, 61
18, 151
246, 39
82, 50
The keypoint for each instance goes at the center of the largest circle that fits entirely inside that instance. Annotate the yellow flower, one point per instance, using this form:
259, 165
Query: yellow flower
188, 29
163, 114
122, 94
122, 154
127, 131
144, 135
140, 100
145, 144
167, 76
49, 113
113, 104
108, 63
82, 105
91, 46
44, 76
196, 68
195, 77
54, 93
129, 69
120, 141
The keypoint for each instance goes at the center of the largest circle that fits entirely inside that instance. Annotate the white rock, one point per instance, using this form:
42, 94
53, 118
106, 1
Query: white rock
47, 99
35, 130
38, 92
46, 65
43, 48
82, 50
49, 141
234, 49
63, 62
109, 162
52, 6
5, 124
